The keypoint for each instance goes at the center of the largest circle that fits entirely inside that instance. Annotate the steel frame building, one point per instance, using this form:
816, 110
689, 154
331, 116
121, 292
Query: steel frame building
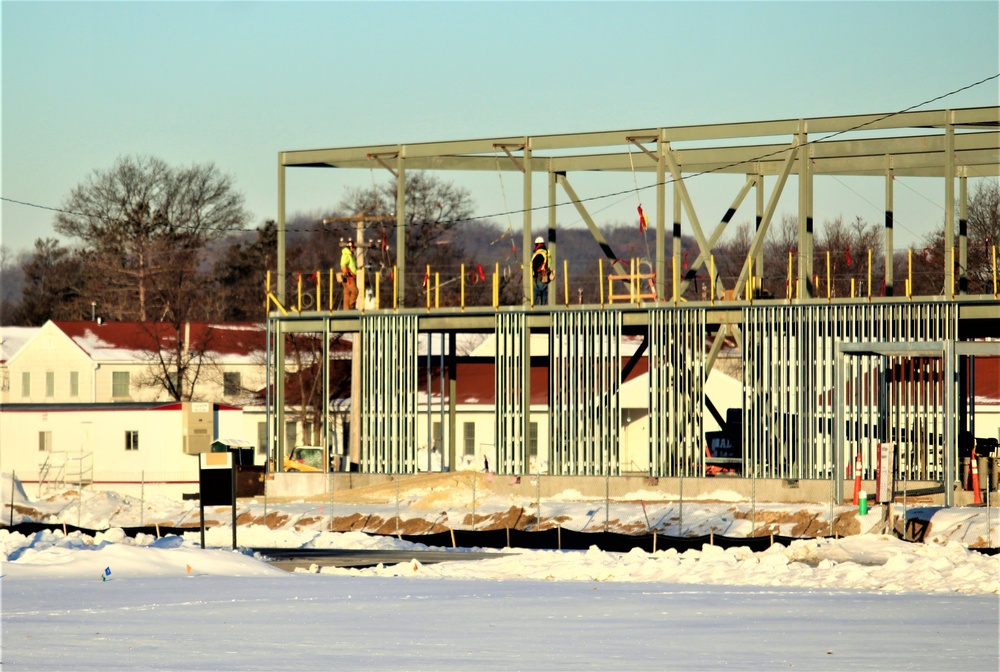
811, 365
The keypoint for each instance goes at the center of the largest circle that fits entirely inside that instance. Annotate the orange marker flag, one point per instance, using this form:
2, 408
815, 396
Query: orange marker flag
643, 222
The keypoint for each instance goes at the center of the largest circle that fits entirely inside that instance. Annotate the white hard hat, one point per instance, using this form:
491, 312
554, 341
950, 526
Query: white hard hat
539, 241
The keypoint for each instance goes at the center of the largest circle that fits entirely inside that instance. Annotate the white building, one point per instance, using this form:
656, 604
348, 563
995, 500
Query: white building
130, 447
93, 362
66, 364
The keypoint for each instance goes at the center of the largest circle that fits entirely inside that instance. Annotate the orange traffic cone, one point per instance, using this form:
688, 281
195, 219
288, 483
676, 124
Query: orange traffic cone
857, 479
977, 497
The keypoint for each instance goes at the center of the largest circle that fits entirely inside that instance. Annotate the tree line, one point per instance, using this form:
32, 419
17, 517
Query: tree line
152, 242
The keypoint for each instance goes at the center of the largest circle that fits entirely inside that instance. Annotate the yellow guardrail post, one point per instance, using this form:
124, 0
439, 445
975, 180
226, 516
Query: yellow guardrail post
951, 288
711, 278
788, 282
909, 272
271, 298
994, 271
829, 285
673, 277
566, 280
427, 285
330, 298
298, 289
437, 289
361, 290
395, 287
600, 278
496, 286
319, 293
378, 290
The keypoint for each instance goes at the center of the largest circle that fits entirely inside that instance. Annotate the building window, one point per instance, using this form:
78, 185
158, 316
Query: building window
26, 384
74, 383
533, 439
50, 384
232, 385
119, 384
262, 438
173, 380
469, 438
131, 439
436, 435
45, 441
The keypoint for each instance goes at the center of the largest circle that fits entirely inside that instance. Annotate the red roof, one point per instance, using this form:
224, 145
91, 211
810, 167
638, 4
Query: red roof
225, 339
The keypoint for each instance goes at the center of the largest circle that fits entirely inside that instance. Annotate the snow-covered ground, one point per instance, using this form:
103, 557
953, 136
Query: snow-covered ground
109, 602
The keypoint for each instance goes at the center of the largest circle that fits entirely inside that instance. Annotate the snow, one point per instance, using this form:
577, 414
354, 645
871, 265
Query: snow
12, 339
108, 602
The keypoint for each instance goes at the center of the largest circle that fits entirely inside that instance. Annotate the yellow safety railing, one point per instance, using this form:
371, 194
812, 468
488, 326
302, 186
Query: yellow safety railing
633, 285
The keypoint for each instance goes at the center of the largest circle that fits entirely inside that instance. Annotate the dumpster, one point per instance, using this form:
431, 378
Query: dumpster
249, 477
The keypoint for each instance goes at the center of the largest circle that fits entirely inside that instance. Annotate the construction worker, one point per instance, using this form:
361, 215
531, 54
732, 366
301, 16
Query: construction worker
349, 275
540, 271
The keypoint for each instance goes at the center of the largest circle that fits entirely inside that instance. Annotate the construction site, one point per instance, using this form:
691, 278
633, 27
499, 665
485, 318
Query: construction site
872, 388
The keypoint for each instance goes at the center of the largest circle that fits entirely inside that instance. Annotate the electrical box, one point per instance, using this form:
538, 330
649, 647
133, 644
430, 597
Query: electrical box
197, 427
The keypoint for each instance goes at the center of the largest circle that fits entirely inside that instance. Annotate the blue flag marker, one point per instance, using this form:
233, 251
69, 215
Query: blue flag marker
106, 574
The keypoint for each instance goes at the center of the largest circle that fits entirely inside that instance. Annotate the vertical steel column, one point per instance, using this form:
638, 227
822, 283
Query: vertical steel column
806, 288
661, 217
889, 177
280, 293
676, 243
963, 232
511, 331
389, 354
950, 406
327, 424
279, 395
400, 276
677, 375
526, 276
949, 202
839, 429
553, 257
758, 261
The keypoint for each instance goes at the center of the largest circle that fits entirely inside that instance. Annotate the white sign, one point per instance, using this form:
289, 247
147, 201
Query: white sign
883, 476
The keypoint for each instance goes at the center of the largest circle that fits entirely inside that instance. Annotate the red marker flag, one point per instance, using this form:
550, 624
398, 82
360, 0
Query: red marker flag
643, 222
848, 255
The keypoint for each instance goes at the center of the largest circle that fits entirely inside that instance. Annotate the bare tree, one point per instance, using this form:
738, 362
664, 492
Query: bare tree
141, 218
984, 235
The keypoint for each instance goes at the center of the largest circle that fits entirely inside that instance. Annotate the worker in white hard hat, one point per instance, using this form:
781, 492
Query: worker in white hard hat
540, 271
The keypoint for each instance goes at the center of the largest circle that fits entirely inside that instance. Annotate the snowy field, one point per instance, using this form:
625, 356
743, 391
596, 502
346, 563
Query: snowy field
866, 602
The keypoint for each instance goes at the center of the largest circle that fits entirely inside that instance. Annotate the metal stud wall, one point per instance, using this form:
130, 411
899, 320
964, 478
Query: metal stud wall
676, 392
584, 400
510, 381
789, 359
388, 393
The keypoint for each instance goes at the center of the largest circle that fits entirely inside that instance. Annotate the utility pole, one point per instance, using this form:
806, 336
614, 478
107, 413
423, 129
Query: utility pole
354, 451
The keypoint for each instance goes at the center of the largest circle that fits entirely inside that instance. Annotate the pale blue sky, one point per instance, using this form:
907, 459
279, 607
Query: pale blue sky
236, 82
